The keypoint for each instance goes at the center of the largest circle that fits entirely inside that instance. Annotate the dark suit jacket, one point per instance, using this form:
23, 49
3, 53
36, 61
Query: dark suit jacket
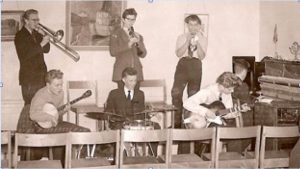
31, 57
125, 56
118, 103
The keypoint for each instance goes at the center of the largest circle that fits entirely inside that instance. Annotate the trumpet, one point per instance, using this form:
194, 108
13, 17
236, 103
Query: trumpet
55, 39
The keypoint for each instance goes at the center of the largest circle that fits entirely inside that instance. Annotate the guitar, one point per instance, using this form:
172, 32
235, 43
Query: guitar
56, 112
196, 120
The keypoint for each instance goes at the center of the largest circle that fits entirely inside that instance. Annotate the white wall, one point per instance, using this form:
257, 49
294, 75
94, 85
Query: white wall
233, 31
286, 14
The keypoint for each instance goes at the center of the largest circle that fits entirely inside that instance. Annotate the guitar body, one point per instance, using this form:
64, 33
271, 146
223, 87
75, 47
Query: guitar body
194, 120
50, 109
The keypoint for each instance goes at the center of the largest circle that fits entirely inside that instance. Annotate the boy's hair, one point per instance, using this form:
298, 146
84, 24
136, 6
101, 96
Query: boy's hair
29, 12
53, 74
129, 71
240, 64
129, 11
192, 18
228, 79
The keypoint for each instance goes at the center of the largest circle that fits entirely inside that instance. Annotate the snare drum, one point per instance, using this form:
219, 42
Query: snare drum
139, 125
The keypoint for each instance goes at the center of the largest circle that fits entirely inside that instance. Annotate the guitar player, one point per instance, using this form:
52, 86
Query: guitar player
219, 91
52, 93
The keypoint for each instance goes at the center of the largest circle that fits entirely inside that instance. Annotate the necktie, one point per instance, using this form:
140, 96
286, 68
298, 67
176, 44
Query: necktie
33, 36
128, 95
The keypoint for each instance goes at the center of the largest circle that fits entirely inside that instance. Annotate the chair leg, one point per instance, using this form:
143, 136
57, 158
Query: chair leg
50, 153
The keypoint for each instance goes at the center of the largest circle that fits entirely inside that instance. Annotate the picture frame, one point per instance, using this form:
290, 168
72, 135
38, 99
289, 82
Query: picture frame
90, 23
204, 23
11, 23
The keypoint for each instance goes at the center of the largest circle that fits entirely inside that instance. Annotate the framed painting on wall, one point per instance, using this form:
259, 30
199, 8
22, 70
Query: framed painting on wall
11, 23
90, 23
204, 23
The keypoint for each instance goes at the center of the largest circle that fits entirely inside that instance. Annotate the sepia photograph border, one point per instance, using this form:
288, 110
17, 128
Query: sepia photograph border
16, 15
69, 30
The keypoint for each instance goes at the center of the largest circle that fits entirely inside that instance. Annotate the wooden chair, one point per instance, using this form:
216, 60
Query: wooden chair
96, 138
143, 136
76, 89
39, 140
192, 160
276, 158
155, 83
236, 159
6, 140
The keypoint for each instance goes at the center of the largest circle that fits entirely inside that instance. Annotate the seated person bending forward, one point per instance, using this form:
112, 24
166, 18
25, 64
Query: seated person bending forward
201, 116
51, 94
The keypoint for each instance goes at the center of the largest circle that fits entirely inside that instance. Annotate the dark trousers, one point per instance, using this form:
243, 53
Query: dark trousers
188, 72
29, 90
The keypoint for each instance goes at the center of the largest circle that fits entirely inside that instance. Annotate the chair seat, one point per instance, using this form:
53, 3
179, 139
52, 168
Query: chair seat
181, 158
92, 162
140, 160
40, 164
277, 154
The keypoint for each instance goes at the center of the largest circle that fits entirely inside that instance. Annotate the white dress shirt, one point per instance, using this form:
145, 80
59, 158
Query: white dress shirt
206, 95
126, 92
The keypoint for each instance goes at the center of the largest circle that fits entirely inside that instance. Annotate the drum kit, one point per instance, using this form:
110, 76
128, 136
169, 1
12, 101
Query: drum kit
145, 124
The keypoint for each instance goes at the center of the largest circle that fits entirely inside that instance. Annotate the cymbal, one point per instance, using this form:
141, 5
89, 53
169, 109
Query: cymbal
160, 109
104, 116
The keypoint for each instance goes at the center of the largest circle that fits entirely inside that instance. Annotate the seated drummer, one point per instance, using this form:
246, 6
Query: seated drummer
52, 93
127, 101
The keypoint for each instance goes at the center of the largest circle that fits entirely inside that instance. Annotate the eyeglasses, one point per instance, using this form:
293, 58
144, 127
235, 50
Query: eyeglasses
129, 19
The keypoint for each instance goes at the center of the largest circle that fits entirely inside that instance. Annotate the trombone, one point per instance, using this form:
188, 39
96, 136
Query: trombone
55, 39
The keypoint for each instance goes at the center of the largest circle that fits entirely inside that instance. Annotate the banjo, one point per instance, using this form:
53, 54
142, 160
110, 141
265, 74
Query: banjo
50, 109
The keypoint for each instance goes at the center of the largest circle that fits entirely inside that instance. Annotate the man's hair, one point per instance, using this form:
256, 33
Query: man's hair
192, 18
228, 79
53, 74
240, 64
129, 11
28, 12
129, 71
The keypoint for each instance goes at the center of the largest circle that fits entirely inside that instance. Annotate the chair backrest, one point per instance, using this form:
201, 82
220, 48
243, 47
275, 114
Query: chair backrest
239, 133
195, 135
103, 137
140, 136
276, 132
39, 140
6, 140
152, 93
76, 88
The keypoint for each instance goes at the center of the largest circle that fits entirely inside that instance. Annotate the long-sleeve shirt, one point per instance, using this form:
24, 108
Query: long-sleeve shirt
42, 97
206, 95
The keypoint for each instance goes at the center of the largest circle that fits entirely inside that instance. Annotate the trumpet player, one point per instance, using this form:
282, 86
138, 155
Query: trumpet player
191, 49
31, 43
127, 46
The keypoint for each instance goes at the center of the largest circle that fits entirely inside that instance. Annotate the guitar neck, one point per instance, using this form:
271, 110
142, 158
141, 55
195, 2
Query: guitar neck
229, 110
60, 108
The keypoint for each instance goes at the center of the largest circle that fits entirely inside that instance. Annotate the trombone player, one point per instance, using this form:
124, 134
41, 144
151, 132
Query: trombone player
31, 43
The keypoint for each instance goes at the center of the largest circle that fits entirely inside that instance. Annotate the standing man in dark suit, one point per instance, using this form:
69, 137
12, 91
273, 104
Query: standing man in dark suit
127, 46
31, 44
127, 100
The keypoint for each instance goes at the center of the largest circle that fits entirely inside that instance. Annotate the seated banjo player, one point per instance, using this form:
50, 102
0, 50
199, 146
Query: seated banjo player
47, 108
202, 106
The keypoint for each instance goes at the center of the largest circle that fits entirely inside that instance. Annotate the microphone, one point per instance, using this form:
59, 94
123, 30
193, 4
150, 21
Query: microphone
132, 35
